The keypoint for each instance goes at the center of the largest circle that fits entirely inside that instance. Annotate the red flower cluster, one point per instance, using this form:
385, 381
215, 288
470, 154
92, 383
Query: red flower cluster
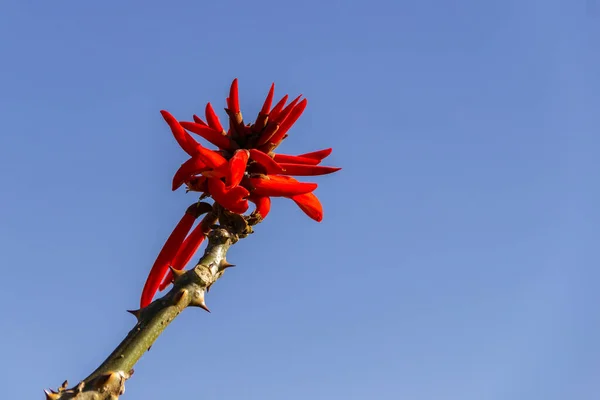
244, 168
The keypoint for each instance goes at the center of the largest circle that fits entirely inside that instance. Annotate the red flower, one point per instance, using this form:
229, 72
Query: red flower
310, 204
189, 248
169, 251
243, 168
245, 154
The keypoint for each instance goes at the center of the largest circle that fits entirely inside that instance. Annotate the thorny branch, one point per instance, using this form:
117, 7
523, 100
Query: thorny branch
189, 289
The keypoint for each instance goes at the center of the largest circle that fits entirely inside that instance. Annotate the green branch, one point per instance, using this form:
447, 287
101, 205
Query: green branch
189, 288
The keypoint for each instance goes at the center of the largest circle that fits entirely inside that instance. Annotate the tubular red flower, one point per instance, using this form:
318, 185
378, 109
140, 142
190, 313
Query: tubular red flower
263, 205
232, 200
169, 250
213, 119
187, 143
306, 170
278, 121
310, 204
278, 107
289, 121
263, 115
286, 111
212, 159
318, 155
266, 108
224, 173
238, 192
198, 120
237, 167
234, 100
189, 248
191, 167
270, 165
215, 137
278, 186
236, 121
285, 158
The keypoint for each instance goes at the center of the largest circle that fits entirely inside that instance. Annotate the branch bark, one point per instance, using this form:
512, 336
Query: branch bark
189, 288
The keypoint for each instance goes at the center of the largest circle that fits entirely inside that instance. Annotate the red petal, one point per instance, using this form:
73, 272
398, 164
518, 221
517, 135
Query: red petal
318, 155
289, 121
187, 143
270, 165
191, 167
310, 204
211, 158
231, 200
276, 186
263, 205
278, 107
161, 265
286, 111
237, 167
285, 158
215, 137
198, 120
188, 248
268, 101
213, 119
234, 100
307, 170
238, 193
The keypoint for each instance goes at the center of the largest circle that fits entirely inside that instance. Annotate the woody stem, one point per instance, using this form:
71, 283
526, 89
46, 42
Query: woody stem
107, 381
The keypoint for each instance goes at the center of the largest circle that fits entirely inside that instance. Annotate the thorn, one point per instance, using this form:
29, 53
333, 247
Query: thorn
50, 395
204, 307
223, 265
136, 313
198, 300
176, 272
180, 297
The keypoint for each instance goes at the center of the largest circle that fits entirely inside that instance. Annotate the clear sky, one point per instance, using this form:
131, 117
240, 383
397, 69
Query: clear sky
458, 257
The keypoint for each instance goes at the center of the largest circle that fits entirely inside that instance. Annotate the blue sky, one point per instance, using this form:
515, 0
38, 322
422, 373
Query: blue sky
456, 258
